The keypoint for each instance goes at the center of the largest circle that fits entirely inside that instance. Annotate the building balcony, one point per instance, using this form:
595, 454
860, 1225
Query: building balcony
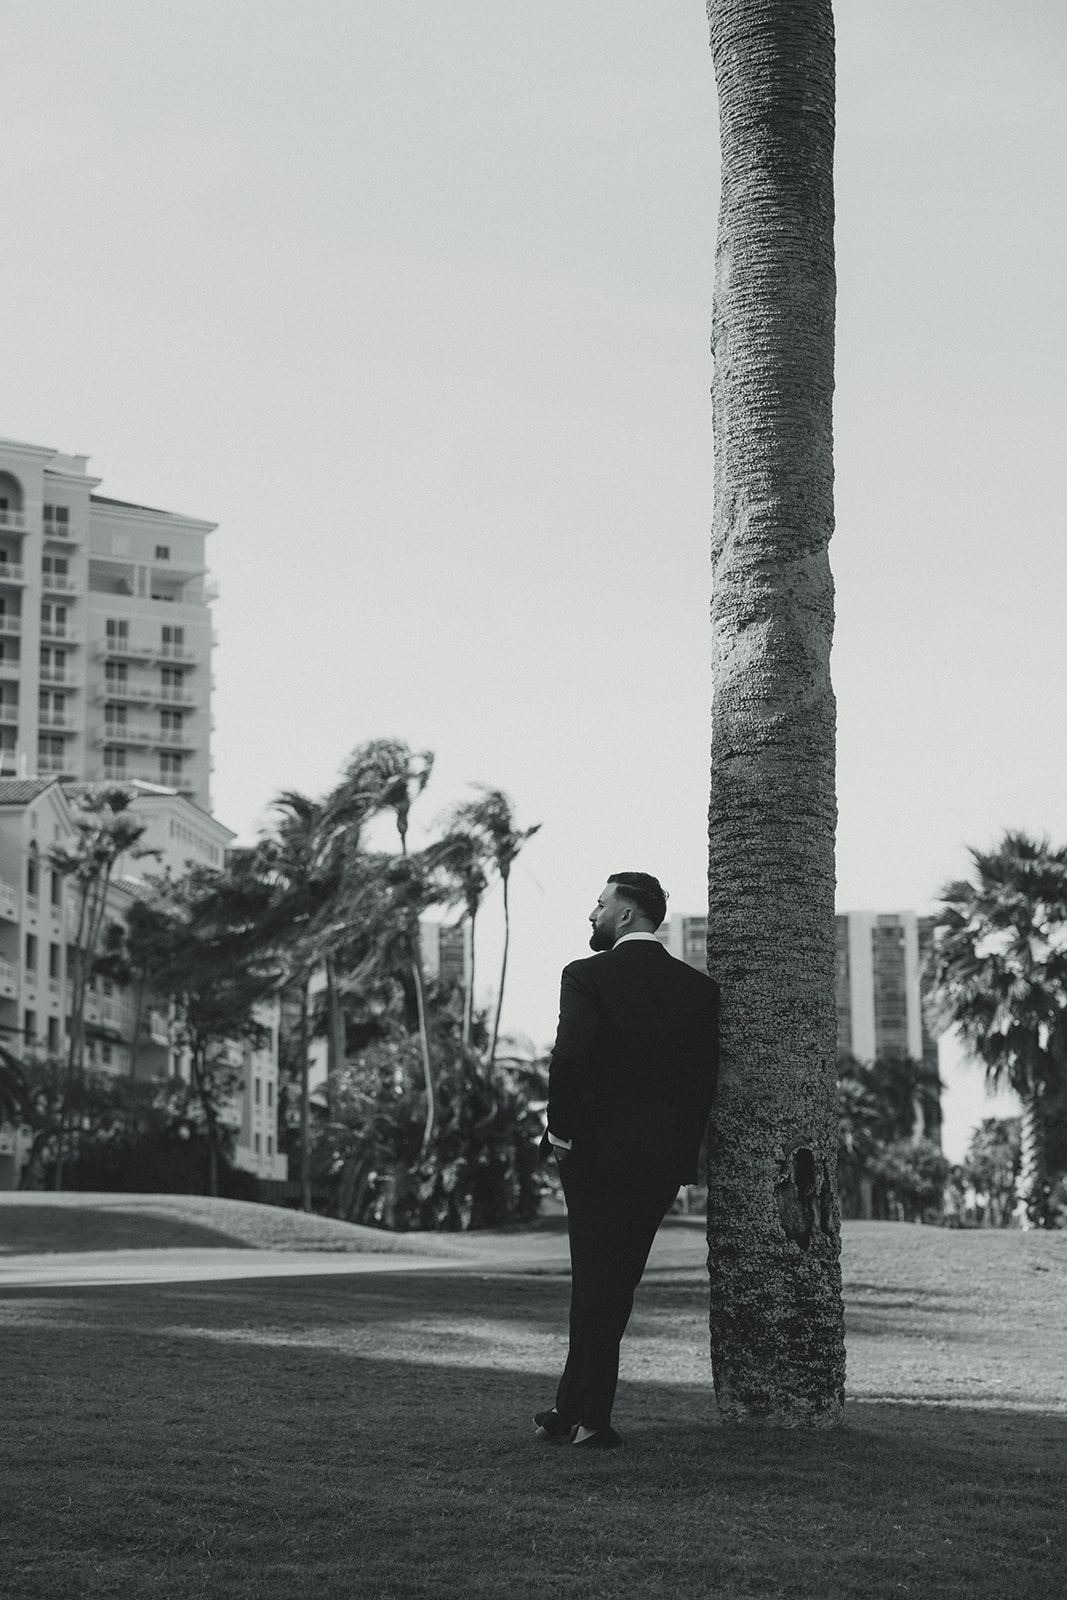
126, 650
9, 979
53, 767
176, 739
53, 582
174, 697
121, 733
12, 519
60, 677
10, 624
9, 902
108, 1014
61, 631
9, 716
177, 652
56, 720
13, 573
134, 694
60, 530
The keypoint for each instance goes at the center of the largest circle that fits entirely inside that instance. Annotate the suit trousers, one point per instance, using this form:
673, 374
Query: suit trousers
611, 1223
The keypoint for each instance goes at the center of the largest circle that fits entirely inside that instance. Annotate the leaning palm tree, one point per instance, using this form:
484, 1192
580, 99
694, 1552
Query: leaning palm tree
998, 973
387, 775
302, 865
460, 858
777, 1325
492, 819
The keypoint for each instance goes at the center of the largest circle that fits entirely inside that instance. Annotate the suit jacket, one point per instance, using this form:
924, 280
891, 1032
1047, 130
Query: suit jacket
635, 1062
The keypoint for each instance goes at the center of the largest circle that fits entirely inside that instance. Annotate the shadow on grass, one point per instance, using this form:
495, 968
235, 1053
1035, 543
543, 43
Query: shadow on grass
371, 1436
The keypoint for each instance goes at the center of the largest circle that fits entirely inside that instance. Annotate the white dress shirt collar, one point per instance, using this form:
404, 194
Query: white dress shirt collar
628, 936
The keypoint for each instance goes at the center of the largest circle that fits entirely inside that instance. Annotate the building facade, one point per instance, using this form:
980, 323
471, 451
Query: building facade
105, 631
880, 957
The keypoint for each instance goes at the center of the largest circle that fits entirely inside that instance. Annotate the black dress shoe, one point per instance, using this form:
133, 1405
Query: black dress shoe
603, 1439
551, 1428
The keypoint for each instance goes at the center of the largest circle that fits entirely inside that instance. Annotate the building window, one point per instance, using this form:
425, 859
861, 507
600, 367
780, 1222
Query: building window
257, 1144
115, 716
114, 761
29, 1027
53, 960
50, 752
57, 889
270, 1145
116, 672
162, 552
32, 876
57, 519
31, 952
53, 1036
173, 641
170, 767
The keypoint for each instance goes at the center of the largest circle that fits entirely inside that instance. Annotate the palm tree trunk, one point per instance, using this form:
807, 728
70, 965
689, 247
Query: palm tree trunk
491, 1057
468, 994
305, 1099
1031, 1209
424, 1045
335, 1032
198, 1069
420, 1005
777, 1329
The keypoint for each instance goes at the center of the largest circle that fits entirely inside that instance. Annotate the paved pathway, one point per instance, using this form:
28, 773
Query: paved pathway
680, 1245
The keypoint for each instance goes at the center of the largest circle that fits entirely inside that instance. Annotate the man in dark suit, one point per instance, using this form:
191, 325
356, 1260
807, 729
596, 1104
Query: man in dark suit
631, 1082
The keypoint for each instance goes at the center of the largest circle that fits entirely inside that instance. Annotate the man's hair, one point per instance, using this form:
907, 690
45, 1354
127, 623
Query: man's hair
644, 891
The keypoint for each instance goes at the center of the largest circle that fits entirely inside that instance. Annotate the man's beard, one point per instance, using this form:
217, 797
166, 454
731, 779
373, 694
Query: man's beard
601, 939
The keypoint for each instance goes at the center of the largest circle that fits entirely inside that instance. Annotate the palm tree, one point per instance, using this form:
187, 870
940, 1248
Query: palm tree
999, 975
492, 820
461, 856
307, 858
105, 830
777, 1326
387, 775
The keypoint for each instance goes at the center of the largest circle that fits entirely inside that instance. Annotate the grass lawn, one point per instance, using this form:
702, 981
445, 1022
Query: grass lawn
370, 1437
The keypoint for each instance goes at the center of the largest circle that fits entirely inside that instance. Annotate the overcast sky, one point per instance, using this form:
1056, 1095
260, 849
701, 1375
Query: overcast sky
414, 300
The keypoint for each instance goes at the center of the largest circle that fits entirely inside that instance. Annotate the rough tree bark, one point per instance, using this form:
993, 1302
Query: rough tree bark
777, 1339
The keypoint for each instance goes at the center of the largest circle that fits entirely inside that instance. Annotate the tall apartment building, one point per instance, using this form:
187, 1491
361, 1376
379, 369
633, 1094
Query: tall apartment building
105, 676
878, 979
879, 989
105, 631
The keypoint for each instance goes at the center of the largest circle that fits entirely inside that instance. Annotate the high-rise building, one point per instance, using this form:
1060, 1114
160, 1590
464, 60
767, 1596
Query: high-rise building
879, 989
687, 938
105, 631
